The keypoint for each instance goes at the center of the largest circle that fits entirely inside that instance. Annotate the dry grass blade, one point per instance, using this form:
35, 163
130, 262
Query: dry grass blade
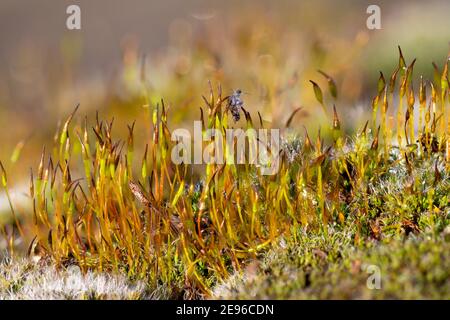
139, 194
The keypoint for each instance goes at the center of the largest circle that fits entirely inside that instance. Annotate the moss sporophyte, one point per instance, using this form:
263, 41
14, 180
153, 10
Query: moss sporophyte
263, 147
188, 211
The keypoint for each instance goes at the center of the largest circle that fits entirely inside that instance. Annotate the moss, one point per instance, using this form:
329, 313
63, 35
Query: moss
410, 268
335, 207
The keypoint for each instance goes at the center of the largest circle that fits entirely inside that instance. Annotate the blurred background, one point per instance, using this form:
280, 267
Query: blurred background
129, 55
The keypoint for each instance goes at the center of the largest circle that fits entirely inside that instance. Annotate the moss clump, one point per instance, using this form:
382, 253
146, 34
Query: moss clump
315, 268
